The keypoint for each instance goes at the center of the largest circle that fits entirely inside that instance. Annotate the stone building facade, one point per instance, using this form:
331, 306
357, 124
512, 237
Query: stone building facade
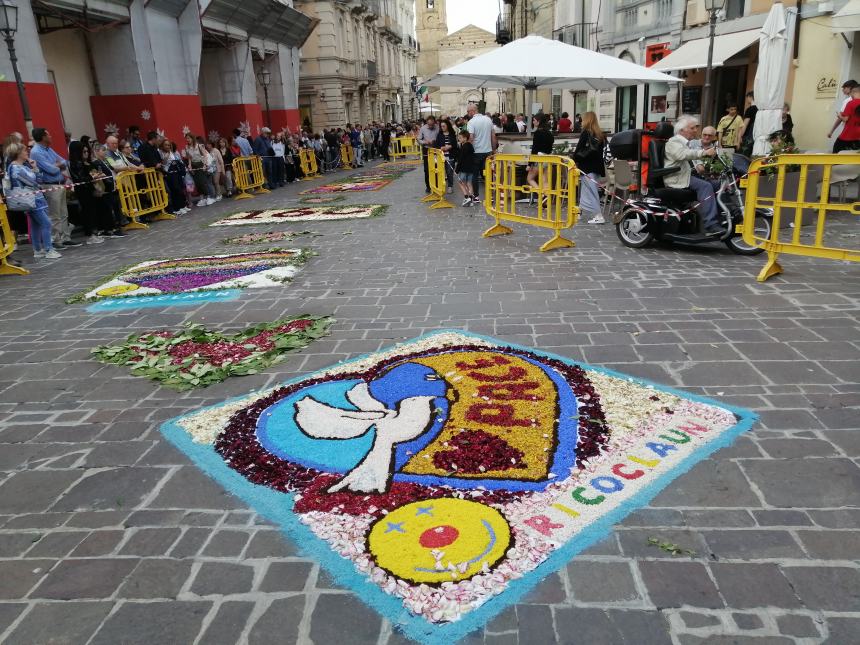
358, 63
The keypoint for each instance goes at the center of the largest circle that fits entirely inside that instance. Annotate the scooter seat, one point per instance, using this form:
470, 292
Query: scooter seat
675, 195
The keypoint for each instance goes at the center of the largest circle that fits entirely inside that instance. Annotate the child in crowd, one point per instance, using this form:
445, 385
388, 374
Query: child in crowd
465, 168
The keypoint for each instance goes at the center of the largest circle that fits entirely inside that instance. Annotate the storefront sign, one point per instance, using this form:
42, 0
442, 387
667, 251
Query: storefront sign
826, 88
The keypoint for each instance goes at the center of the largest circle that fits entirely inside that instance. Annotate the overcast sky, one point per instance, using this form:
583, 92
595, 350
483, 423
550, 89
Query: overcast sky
481, 13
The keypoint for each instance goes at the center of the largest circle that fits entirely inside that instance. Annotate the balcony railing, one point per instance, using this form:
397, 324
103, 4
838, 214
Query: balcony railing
367, 69
504, 30
581, 34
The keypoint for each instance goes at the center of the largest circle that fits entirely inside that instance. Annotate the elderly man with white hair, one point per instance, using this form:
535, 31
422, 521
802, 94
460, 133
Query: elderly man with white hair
678, 153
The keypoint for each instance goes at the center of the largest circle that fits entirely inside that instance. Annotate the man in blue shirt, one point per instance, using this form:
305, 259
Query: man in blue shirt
134, 139
355, 141
243, 143
52, 171
263, 148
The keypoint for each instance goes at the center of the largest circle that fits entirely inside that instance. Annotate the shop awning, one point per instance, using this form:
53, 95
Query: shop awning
694, 54
282, 23
847, 18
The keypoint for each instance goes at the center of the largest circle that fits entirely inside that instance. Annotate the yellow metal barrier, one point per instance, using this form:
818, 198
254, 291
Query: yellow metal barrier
436, 173
405, 147
248, 175
142, 193
558, 180
787, 184
7, 245
308, 162
347, 155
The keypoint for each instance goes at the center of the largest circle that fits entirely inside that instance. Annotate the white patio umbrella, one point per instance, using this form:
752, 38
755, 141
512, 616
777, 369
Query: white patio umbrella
534, 62
774, 57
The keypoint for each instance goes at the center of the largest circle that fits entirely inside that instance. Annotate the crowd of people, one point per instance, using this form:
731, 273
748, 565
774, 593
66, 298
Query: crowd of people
39, 176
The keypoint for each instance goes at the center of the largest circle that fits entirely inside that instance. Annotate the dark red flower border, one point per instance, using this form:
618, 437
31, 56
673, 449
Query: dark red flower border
238, 444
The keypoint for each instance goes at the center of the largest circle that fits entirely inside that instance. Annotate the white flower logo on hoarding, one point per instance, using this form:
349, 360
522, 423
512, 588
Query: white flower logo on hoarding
214, 135
146, 115
111, 128
161, 132
186, 129
245, 127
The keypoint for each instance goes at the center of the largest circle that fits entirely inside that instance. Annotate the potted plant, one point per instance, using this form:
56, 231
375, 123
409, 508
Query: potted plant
782, 145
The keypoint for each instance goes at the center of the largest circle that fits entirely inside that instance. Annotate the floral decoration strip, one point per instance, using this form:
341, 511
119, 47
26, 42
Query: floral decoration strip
234, 271
197, 357
445, 468
269, 237
323, 199
371, 179
302, 214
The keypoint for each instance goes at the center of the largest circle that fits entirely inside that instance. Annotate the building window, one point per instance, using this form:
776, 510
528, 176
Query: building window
664, 9
734, 9
630, 16
430, 4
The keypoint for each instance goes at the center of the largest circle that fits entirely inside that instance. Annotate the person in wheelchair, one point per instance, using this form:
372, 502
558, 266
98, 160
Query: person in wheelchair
677, 173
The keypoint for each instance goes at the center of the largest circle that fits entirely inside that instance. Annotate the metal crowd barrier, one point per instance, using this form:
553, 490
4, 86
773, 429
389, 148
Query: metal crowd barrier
555, 195
7, 245
347, 155
248, 175
405, 147
787, 184
308, 162
142, 193
436, 173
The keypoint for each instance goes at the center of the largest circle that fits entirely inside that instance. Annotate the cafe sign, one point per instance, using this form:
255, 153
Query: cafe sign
826, 88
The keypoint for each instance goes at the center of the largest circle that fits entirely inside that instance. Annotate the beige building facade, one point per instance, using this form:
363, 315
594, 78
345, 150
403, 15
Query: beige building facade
440, 50
357, 64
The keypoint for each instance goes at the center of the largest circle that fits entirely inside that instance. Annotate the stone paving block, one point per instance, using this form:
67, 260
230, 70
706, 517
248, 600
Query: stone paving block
788, 448
146, 623
227, 625
156, 578
781, 518
842, 630
14, 544
842, 518
747, 621
270, 543
831, 545
57, 544
580, 625
9, 612
747, 585
537, 622
337, 614
111, 489
36, 490
19, 576
189, 488
797, 625
695, 620
848, 441
676, 584
602, 582
806, 483
826, 588
709, 484
635, 542
752, 544
225, 544
97, 519
59, 623
222, 578
689, 639
72, 579
548, 591
150, 541
286, 576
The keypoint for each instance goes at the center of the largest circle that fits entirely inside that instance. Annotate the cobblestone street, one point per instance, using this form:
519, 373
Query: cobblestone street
109, 535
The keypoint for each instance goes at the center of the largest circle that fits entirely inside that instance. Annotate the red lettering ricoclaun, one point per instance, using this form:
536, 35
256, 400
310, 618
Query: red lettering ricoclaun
542, 524
483, 363
510, 391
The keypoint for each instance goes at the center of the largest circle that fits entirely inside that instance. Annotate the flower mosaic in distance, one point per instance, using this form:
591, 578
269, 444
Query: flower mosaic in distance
196, 357
269, 237
371, 179
234, 271
323, 199
302, 214
444, 469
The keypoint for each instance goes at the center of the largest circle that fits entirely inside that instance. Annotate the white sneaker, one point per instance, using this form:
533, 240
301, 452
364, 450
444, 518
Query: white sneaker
182, 211
94, 239
218, 199
52, 255
466, 203
202, 202
38, 254
597, 219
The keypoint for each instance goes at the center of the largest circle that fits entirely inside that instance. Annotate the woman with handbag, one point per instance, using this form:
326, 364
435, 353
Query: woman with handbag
588, 157
198, 162
26, 196
174, 178
80, 166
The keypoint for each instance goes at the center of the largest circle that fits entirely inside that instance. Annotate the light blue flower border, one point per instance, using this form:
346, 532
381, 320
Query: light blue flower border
186, 299
276, 507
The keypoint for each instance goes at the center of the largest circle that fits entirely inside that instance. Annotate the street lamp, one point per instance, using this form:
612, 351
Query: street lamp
265, 78
713, 7
8, 27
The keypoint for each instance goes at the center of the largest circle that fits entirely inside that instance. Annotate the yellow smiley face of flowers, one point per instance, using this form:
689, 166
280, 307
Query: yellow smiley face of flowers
439, 540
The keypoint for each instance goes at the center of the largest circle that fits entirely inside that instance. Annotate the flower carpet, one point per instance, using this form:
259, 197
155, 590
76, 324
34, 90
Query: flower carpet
182, 275
443, 478
302, 214
196, 357
371, 179
269, 237
323, 199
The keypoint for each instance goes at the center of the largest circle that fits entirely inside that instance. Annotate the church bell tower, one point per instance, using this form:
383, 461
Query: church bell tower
431, 26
